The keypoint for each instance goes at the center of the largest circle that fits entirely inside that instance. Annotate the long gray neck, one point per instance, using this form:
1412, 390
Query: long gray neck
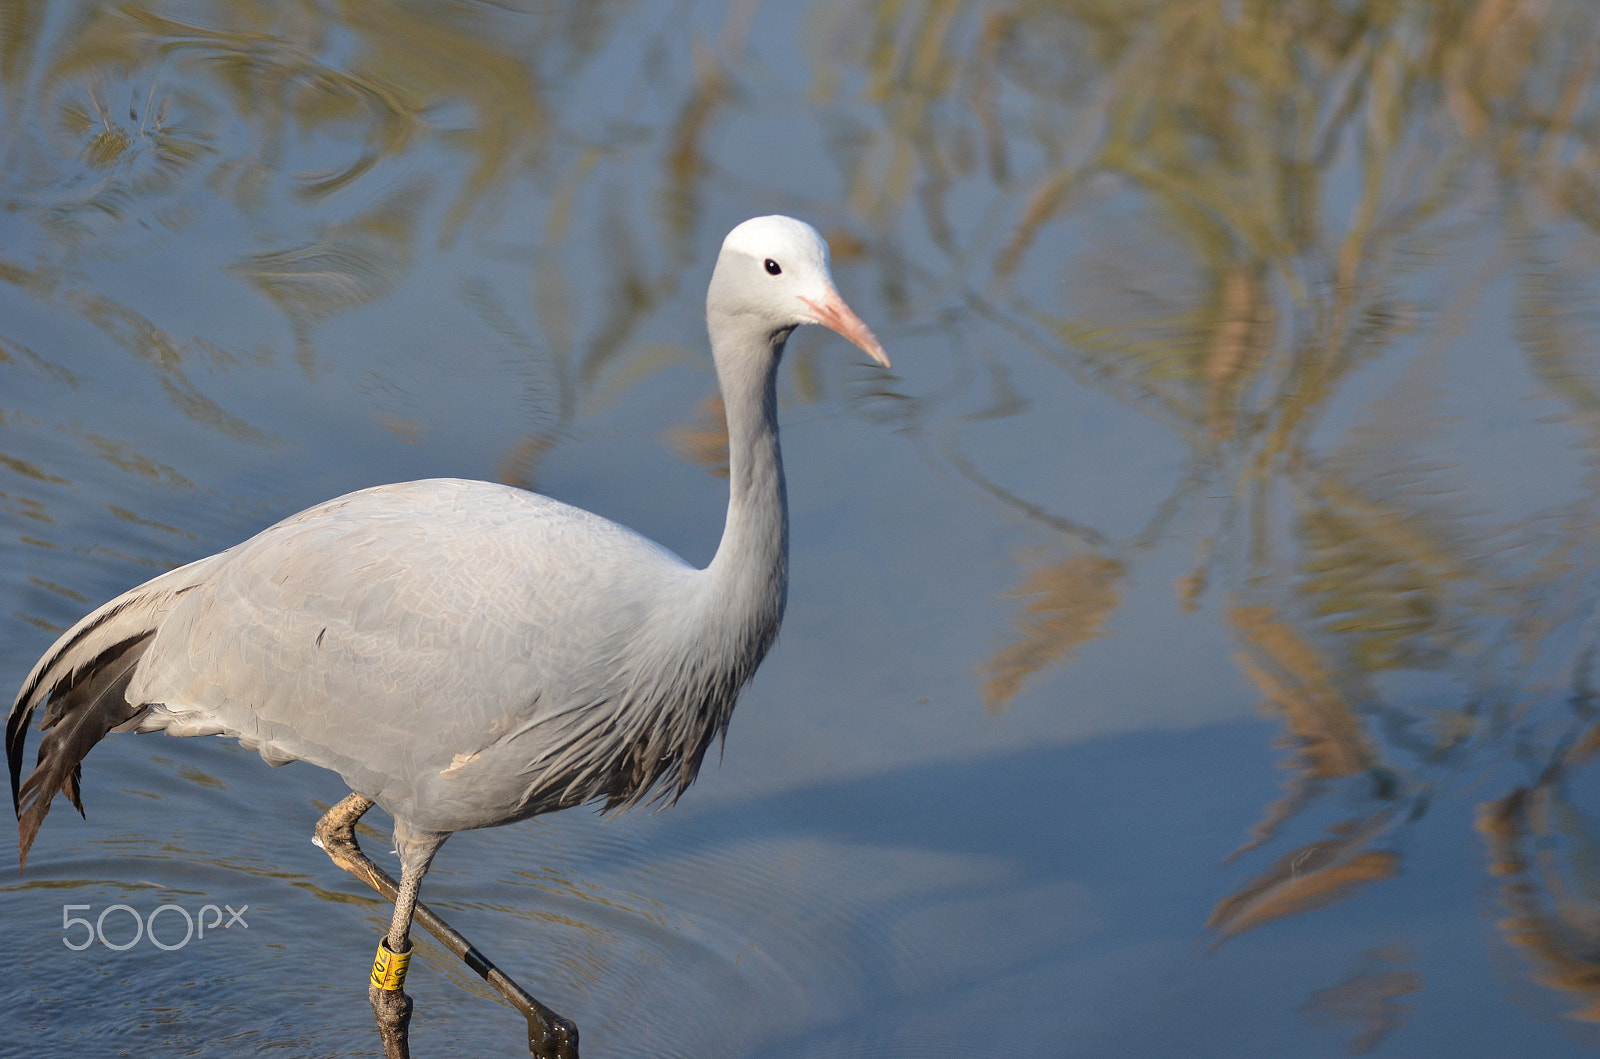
748, 577
708, 644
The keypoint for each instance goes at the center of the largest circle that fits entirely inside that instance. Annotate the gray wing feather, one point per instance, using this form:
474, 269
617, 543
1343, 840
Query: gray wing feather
398, 634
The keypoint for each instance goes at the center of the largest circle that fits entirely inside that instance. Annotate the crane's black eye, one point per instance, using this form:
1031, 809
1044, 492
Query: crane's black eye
772, 267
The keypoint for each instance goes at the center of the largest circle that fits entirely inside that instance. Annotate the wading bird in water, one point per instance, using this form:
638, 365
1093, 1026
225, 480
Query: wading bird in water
463, 654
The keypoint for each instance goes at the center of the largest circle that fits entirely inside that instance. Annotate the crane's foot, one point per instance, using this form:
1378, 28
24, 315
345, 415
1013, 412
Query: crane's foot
551, 1037
393, 1009
336, 834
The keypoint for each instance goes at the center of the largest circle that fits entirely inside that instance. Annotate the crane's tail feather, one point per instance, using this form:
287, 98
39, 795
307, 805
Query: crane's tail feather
82, 683
54, 670
78, 716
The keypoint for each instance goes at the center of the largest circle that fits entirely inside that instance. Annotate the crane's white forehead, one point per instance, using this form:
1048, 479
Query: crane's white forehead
782, 238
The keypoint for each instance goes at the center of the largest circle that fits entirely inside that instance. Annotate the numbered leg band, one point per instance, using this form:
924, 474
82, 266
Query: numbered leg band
389, 967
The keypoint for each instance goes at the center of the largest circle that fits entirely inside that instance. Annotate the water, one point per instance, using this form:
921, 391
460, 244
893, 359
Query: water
1190, 643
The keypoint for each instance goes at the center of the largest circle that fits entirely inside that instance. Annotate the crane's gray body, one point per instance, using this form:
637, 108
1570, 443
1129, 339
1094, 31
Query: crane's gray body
419, 640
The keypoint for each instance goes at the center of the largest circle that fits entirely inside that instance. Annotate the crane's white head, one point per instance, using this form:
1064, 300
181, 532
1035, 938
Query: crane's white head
776, 270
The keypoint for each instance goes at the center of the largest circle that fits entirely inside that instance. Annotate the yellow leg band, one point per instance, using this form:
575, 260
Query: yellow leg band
389, 968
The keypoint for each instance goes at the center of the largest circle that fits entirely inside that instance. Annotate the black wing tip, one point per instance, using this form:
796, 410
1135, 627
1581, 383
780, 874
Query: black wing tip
16, 742
82, 710
28, 698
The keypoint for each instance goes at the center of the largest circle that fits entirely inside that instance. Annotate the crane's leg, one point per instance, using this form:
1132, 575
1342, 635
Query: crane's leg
389, 1001
549, 1035
386, 990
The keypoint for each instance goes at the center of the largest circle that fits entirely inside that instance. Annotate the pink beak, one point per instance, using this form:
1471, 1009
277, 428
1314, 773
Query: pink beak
833, 312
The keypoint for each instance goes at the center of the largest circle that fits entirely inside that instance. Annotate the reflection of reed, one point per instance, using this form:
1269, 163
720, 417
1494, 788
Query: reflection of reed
1551, 901
1366, 1004
1316, 874
1298, 686
347, 265
705, 441
1068, 604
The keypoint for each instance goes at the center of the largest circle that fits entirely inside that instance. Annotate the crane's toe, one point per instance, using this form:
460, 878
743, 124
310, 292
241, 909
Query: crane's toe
557, 1039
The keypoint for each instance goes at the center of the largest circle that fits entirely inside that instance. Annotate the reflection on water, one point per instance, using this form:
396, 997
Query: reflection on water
1298, 193
1246, 340
1542, 853
1271, 209
1365, 1004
